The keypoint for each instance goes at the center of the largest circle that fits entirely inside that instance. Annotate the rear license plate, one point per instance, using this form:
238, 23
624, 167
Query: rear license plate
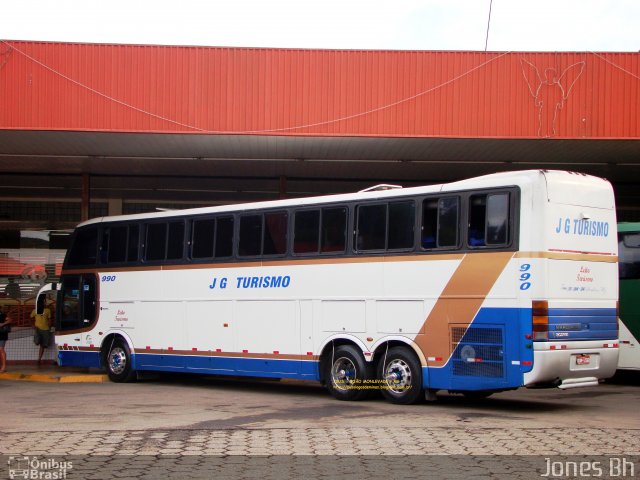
583, 359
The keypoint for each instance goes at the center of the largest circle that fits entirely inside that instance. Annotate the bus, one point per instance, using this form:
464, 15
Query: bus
629, 265
472, 287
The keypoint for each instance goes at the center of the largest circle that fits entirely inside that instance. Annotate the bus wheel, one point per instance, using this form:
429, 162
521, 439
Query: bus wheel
118, 362
401, 376
345, 372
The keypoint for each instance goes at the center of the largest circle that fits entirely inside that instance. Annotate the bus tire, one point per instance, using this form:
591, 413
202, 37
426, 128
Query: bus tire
345, 371
400, 375
118, 362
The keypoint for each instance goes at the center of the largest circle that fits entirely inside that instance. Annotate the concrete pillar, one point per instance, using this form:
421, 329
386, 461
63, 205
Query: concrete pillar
115, 206
85, 197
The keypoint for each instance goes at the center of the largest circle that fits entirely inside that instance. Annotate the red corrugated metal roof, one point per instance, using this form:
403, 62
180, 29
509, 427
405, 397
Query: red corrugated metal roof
133, 88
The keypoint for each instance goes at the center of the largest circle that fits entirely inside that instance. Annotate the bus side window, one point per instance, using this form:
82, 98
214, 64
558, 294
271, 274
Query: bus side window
448, 221
440, 222
224, 237
371, 227
132, 243
400, 231
333, 230
156, 241
84, 250
175, 243
250, 240
497, 219
117, 248
488, 220
203, 236
275, 233
429, 223
306, 231
477, 220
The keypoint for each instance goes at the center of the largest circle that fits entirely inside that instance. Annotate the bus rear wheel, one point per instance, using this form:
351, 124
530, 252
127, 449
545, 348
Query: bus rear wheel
345, 372
118, 362
400, 375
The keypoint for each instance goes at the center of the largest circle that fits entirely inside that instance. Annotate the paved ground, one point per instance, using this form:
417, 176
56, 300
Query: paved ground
215, 426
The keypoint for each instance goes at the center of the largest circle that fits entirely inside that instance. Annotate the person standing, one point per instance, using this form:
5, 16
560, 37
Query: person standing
5, 322
42, 336
12, 289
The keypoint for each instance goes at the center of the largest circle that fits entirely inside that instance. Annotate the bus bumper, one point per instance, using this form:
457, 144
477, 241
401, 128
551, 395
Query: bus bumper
572, 364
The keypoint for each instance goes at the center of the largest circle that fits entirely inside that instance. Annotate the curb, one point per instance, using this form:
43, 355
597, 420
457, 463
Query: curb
24, 377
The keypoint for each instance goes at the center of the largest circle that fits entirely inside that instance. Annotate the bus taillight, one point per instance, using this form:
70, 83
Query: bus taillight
540, 319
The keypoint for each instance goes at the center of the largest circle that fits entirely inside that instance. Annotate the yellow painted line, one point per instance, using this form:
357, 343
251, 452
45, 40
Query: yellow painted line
35, 377
84, 379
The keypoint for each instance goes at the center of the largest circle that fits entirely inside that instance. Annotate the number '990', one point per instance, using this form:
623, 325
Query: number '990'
525, 276
108, 278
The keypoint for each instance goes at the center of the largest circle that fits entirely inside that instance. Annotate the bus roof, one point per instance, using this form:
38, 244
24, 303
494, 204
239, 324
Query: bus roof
515, 178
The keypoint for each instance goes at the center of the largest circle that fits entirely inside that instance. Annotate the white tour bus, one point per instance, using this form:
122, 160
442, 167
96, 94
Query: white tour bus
477, 286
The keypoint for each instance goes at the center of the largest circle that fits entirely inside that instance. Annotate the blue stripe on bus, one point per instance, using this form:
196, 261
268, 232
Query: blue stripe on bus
252, 367
75, 358
495, 341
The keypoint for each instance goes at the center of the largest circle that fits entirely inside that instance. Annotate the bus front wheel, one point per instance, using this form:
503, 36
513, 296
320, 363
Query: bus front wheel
118, 361
400, 376
345, 372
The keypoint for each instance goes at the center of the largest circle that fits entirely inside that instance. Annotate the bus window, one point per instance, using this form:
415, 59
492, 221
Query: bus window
488, 220
371, 227
497, 219
175, 245
275, 233
132, 243
306, 231
203, 237
429, 223
333, 233
250, 235
84, 250
224, 237
401, 225
448, 215
477, 220
629, 255
68, 310
156, 241
440, 222
117, 244
76, 302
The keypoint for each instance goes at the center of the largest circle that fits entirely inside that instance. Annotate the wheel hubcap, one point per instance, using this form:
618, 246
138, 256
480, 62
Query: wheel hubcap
117, 360
343, 373
398, 376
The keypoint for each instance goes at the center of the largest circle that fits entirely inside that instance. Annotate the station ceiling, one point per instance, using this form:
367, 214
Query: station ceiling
213, 169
